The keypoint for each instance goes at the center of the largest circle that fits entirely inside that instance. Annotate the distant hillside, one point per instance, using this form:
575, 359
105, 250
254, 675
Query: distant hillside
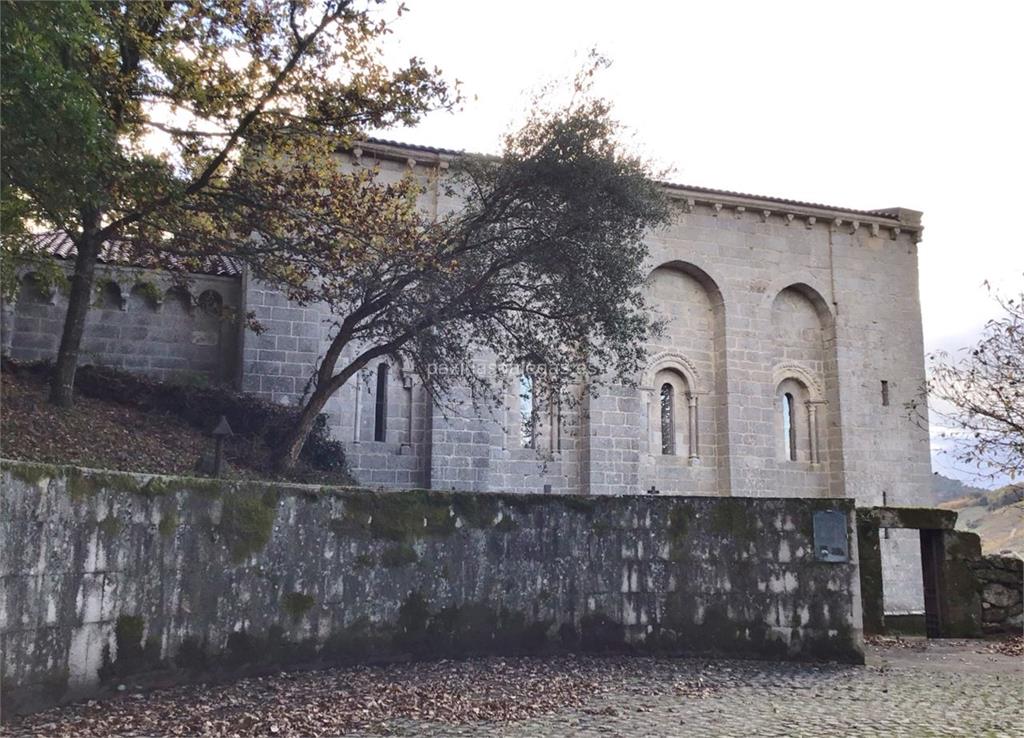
997, 517
945, 489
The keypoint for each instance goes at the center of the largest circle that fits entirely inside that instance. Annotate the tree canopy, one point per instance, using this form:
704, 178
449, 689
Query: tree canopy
539, 264
122, 119
978, 395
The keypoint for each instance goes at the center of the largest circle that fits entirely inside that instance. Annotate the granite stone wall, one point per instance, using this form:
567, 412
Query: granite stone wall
1002, 593
114, 578
140, 321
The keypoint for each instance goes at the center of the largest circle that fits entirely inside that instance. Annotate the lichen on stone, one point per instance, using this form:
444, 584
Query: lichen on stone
246, 522
297, 604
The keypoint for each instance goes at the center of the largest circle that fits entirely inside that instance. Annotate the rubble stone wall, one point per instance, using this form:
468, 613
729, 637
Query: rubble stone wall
111, 578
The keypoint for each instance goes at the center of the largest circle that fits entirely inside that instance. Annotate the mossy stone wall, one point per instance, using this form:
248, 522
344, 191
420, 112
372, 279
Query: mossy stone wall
114, 578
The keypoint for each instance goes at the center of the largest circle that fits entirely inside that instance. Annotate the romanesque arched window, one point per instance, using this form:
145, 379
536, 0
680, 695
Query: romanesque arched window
527, 413
673, 416
668, 420
380, 410
789, 425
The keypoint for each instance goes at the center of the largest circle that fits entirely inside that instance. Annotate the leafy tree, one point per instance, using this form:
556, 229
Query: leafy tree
89, 86
540, 265
980, 394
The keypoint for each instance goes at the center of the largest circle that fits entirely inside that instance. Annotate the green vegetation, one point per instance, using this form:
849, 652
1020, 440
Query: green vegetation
247, 521
400, 555
150, 291
110, 526
168, 522
476, 511
31, 472
297, 604
731, 517
400, 517
363, 561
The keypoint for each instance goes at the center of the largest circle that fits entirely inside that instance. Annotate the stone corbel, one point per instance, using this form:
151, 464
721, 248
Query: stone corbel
837, 223
765, 215
410, 162
895, 233
442, 165
874, 230
789, 218
811, 220
124, 286
717, 206
357, 155
854, 226
740, 210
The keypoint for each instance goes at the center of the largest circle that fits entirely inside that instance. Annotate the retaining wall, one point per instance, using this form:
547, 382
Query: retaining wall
1002, 593
110, 577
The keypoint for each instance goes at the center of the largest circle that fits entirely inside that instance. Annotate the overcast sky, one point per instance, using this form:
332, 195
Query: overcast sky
865, 105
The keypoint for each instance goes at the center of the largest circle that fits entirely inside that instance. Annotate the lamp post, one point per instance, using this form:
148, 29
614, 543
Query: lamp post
222, 431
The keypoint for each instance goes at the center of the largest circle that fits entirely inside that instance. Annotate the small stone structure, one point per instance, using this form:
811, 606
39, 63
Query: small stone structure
108, 577
965, 593
1002, 593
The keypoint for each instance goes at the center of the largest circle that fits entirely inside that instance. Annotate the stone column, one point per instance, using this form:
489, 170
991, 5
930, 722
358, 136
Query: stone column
357, 407
691, 401
406, 447
812, 424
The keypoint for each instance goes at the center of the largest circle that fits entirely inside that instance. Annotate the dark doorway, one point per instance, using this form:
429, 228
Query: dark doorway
931, 571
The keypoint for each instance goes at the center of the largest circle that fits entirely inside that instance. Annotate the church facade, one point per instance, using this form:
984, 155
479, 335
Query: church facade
793, 342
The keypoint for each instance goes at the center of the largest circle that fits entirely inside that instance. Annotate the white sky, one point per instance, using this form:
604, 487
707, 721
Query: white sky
864, 105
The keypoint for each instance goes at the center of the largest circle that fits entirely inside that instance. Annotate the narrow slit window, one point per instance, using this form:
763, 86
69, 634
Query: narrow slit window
527, 415
380, 410
668, 425
885, 393
788, 427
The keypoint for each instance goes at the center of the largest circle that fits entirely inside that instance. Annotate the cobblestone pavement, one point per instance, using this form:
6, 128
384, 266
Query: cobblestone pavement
907, 688
946, 689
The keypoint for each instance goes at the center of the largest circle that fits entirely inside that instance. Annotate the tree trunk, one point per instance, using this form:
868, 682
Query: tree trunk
79, 301
287, 454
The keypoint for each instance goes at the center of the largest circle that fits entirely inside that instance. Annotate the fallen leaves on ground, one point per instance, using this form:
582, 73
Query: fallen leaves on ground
881, 641
92, 433
336, 701
106, 434
1012, 646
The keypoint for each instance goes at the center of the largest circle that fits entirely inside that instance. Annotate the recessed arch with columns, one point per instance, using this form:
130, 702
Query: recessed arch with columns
667, 367
691, 357
805, 357
806, 389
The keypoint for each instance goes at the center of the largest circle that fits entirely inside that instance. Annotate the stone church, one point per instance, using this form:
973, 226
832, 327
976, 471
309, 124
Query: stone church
793, 342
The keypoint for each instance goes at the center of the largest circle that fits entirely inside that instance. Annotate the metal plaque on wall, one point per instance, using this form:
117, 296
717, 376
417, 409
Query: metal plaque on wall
831, 542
